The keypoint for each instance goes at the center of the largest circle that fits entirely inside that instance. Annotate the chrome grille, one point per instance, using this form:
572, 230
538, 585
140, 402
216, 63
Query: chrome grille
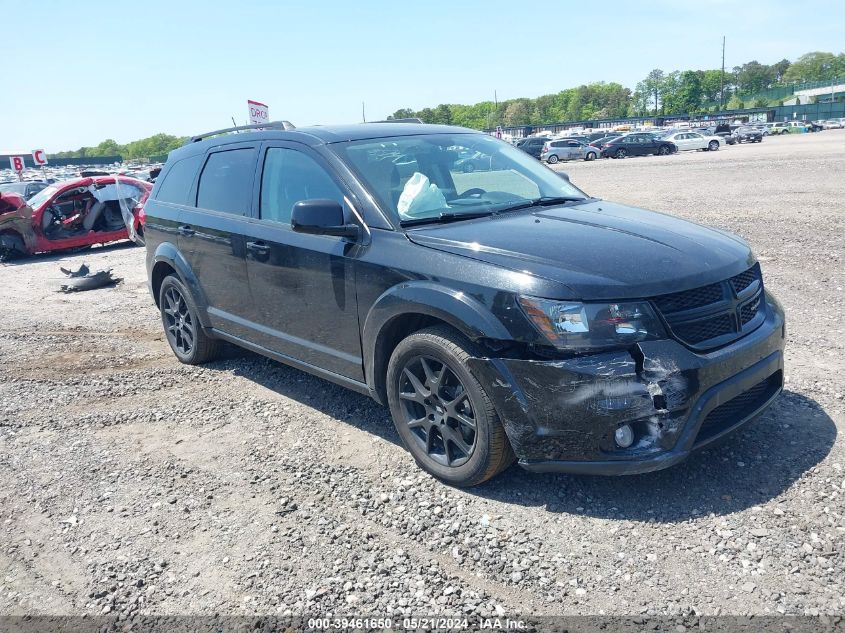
716, 314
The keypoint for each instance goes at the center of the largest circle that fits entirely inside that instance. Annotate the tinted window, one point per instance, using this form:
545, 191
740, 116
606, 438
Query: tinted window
290, 176
178, 180
226, 181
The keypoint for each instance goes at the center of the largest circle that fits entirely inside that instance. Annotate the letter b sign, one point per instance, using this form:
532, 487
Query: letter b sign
16, 162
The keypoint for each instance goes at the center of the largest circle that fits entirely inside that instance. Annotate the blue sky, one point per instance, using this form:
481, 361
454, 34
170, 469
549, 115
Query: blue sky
75, 73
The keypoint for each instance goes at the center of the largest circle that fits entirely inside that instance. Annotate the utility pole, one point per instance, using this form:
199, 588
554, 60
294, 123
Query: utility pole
496, 101
722, 90
363, 113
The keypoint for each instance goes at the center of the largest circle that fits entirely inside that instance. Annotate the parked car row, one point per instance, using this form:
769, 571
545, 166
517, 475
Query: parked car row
659, 141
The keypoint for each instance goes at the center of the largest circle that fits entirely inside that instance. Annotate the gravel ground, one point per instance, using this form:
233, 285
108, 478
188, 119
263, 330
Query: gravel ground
133, 484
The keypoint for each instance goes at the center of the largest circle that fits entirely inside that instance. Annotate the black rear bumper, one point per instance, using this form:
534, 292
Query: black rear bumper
560, 415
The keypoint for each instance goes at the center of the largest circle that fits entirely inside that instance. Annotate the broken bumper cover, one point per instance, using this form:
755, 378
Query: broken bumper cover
560, 415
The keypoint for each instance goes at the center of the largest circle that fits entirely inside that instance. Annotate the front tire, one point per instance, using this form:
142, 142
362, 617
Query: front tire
713, 146
441, 411
182, 327
663, 150
590, 156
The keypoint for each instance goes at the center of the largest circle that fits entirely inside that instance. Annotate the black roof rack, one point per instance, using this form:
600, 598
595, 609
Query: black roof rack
273, 125
407, 120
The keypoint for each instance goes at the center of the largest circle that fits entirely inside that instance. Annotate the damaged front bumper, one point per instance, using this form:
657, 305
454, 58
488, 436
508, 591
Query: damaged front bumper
561, 415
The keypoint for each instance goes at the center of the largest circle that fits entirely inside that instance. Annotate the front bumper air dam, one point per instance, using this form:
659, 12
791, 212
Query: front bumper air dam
560, 415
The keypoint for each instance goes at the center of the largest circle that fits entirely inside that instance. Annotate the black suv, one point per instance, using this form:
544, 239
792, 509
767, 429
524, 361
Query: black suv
499, 314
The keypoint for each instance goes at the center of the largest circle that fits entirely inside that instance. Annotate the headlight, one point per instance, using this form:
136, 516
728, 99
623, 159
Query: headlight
574, 326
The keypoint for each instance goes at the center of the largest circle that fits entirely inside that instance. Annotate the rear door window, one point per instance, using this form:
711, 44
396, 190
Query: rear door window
226, 181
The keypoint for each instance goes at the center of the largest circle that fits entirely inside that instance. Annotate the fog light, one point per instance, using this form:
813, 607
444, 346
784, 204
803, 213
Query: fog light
624, 436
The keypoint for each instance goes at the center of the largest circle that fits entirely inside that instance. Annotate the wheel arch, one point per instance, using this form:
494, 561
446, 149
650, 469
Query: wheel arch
169, 260
410, 307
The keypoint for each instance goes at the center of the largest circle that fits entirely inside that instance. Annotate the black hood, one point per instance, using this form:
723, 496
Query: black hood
598, 249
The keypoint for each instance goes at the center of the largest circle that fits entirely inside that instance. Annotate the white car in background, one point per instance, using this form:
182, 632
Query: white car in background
694, 140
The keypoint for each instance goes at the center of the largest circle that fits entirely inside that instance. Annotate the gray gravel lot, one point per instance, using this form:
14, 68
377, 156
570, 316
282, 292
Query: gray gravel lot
130, 483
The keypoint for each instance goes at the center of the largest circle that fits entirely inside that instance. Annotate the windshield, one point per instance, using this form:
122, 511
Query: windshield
42, 196
415, 178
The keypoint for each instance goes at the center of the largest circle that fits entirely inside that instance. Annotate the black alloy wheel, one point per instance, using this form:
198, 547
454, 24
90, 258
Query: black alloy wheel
663, 150
620, 153
178, 322
441, 411
437, 410
713, 146
184, 332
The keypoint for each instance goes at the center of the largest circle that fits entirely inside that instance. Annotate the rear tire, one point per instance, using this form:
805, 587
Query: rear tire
12, 246
182, 327
620, 153
442, 413
552, 159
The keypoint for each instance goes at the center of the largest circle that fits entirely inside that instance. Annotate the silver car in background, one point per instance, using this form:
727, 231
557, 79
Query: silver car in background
567, 149
690, 140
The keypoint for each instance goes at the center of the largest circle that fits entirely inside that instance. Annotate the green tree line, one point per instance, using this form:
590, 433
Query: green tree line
154, 145
687, 91
678, 91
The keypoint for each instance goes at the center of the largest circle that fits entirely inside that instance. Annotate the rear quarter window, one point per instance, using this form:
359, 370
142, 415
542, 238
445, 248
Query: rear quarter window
178, 180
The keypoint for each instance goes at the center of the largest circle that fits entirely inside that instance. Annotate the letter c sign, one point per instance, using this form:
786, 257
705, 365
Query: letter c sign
39, 157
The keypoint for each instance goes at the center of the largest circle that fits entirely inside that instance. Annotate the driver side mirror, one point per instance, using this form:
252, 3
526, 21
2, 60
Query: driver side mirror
321, 216
563, 175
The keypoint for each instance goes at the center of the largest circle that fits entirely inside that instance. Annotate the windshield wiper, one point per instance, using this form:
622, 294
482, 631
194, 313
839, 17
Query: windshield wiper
446, 216
542, 201
449, 216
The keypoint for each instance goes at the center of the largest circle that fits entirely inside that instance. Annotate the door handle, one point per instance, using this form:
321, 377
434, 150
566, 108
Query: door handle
186, 230
258, 247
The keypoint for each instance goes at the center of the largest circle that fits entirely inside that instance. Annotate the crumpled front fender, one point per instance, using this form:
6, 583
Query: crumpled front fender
565, 411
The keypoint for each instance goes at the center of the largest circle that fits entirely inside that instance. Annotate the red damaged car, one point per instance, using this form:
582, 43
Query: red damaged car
73, 214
